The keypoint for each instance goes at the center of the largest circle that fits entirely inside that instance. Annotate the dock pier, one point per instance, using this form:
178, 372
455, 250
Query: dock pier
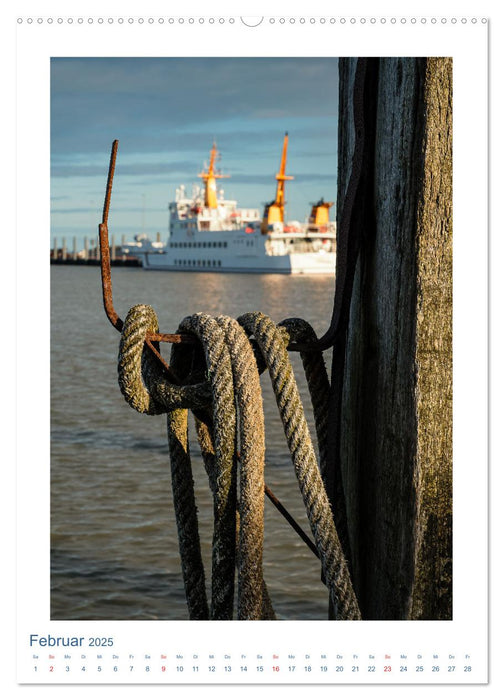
61, 254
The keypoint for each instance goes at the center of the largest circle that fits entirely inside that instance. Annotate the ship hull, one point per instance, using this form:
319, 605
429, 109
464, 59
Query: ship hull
290, 264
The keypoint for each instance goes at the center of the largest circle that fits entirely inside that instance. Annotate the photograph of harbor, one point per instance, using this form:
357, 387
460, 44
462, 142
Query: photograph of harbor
178, 121
226, 179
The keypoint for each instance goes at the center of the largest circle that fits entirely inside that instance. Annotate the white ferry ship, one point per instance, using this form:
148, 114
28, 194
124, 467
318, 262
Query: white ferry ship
211, 234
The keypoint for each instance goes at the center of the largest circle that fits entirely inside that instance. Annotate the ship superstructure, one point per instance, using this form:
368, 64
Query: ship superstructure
211, 233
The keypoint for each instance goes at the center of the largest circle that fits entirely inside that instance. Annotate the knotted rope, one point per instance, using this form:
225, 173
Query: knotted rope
219, 382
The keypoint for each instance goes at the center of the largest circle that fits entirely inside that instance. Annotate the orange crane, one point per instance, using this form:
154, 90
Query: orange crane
209, 176
274, 211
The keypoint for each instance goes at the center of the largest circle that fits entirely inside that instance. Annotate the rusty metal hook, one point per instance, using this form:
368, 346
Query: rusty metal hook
106, 278
104, 247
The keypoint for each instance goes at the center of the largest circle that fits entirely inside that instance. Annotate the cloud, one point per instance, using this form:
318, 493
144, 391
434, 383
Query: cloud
246, 179
66, 170
155, 99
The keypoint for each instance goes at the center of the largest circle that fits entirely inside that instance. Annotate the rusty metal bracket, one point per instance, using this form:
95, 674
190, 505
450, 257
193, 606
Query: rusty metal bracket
151, 338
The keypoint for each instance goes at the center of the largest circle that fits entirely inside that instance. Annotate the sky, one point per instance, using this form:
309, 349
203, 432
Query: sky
166, 112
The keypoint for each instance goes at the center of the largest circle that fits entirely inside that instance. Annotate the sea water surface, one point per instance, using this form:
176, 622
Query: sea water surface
114, 549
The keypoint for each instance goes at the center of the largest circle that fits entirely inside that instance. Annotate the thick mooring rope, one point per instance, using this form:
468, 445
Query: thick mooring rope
252, 451
334, 566
220, 383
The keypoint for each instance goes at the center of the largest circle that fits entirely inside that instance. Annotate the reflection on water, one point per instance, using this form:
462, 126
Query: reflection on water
113, 533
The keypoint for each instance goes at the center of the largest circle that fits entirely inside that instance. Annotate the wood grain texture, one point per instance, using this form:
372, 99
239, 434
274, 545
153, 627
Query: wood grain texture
432, 590
396, 414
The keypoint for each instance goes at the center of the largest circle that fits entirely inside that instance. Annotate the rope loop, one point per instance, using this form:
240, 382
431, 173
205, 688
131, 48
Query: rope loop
140, 377
220, 384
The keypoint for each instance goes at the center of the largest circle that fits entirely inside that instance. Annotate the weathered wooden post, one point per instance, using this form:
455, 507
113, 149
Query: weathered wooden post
395, 444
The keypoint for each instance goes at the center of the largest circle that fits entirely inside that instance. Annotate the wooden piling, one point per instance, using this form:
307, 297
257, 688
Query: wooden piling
396, 424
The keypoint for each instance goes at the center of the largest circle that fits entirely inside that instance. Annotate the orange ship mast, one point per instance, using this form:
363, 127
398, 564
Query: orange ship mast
209, 176
274, 211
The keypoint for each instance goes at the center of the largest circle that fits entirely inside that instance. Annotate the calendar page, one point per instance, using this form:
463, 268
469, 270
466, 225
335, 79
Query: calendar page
187, 184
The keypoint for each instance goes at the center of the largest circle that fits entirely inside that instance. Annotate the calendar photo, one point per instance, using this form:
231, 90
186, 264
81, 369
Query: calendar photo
361, 528
257, 459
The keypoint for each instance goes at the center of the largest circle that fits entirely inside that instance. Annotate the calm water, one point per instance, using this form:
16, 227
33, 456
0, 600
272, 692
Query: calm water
114, 539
